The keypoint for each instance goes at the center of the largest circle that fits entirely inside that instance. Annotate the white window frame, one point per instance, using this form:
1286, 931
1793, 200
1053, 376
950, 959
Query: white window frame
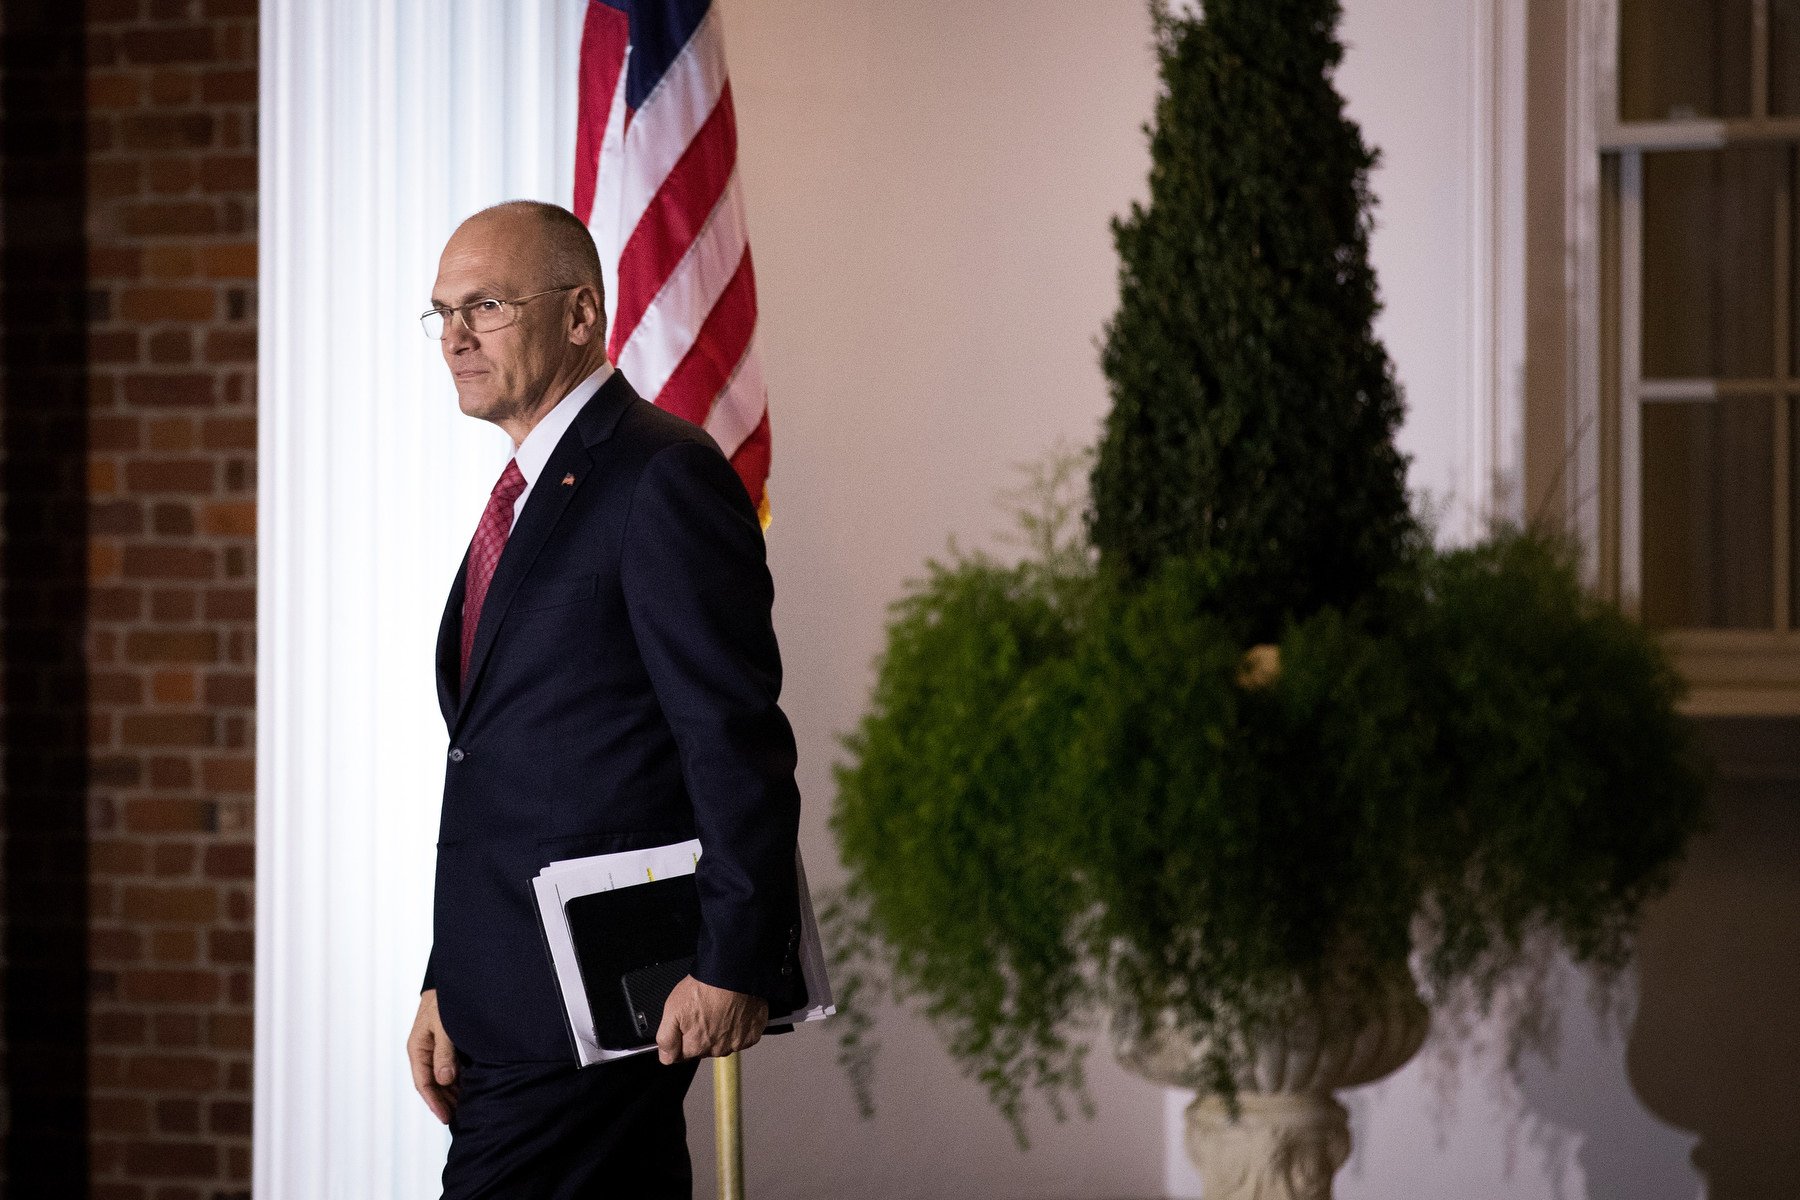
1730, 672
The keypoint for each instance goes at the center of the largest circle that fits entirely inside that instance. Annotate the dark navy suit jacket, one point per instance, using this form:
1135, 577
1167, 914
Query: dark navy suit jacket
621, 693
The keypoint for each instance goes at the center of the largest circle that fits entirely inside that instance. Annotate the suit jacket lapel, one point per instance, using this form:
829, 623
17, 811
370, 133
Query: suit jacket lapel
449, 645
549, 497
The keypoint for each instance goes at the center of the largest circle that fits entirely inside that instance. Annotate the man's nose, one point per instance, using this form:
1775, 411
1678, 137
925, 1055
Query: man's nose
456, 335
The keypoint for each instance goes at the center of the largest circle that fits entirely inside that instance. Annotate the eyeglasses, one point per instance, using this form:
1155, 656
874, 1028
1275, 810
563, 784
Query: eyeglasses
481, 316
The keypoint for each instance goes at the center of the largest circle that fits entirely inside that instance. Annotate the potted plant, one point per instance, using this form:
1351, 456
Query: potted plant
1232, 759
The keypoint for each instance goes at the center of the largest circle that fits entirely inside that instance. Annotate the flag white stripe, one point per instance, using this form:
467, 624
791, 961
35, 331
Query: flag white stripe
603, 222
669, 326
739, 408
670, 117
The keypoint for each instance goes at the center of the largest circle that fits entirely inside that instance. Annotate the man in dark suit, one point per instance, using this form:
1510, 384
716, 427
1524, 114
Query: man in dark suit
608, 673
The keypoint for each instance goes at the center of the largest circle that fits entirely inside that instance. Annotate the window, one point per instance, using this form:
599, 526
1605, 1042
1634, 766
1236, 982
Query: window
1696, 335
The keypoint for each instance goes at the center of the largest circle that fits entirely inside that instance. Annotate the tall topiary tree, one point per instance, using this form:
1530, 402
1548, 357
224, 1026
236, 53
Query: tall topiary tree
1253, 410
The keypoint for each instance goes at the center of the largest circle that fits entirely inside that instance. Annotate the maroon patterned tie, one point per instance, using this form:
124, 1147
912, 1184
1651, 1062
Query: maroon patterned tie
484, 554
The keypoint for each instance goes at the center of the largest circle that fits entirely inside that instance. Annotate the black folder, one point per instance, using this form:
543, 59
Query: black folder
634, 944
620, 933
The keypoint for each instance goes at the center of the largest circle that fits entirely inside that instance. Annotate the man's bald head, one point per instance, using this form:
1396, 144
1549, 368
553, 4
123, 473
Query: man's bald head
562, 248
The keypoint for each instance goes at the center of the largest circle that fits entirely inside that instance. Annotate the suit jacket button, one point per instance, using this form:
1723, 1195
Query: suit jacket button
456, 754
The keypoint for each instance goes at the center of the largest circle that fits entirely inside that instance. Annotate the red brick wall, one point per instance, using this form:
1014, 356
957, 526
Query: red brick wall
172, 123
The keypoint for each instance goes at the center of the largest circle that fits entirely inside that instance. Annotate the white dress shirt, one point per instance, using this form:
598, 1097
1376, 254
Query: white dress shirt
532, 453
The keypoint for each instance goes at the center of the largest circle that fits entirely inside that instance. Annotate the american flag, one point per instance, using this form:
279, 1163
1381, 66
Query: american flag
656, 182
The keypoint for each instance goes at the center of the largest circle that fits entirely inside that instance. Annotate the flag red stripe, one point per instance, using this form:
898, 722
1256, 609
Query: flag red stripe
674, 218
604, 35
752, 459
717, 349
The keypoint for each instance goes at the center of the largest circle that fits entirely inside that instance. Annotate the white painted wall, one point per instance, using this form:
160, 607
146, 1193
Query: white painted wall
929, 186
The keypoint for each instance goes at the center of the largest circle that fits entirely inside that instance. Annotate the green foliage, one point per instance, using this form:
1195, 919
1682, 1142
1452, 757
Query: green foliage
1062, 799
1253, 409
1065, 797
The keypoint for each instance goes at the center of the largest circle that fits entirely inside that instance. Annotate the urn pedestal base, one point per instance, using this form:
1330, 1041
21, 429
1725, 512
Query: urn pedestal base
1281, 1147
1288, 1136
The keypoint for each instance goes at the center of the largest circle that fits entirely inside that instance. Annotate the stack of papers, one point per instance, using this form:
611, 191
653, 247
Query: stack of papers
561, 882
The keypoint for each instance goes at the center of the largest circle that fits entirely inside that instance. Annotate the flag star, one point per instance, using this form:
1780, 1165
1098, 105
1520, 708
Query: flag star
569, 479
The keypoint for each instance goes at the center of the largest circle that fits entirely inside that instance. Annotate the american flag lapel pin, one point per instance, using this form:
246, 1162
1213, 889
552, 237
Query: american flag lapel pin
569, 479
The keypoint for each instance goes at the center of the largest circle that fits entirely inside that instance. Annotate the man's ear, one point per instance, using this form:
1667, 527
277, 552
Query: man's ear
587, 318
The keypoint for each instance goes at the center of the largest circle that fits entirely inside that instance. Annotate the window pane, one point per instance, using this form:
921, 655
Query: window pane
1709, 514
1784, 57
1680, 59
1709, 263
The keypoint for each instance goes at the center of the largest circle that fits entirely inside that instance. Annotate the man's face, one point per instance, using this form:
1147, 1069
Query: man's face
503, 374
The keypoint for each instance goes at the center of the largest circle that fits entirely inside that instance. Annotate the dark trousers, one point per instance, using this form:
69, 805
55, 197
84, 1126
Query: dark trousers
550, 1131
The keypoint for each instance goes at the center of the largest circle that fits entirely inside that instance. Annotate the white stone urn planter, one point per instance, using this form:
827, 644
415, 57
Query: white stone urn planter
1290, 1135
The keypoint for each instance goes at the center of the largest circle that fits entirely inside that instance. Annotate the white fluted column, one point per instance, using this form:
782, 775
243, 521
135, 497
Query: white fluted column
383, 123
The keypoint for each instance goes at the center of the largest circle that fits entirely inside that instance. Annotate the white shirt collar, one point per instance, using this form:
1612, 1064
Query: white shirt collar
535, 450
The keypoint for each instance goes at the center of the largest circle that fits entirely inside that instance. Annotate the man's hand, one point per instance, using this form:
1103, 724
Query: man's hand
700, 1021
433, 1059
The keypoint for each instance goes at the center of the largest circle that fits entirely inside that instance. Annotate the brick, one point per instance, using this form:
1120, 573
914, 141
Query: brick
172, 1160
176, 44
174, 859
228, 433
115, 945
115, 687
237, 519
111, 179
114, 89
187, 476
233, 85
118, 1028
231, 947
170, 729
106, 562
115, 603
187, 390
115, 771
170, 816
166, 646
148, 985
228, 173
183, 903
175, 687
116, 433
171, 773
167, 130
173, 176
175, 947
173, 87
227, 690
173, 521
230, 8
171, 262
231, 1031
102, 476
179, 1115
167, 304
231, 861
237, 43
168, 218
170, 433
171, 346
118, 1114
229, 1117
231, 346
117, 858
170, 562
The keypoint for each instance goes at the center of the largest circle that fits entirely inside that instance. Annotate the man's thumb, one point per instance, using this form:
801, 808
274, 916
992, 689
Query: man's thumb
444, 1061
